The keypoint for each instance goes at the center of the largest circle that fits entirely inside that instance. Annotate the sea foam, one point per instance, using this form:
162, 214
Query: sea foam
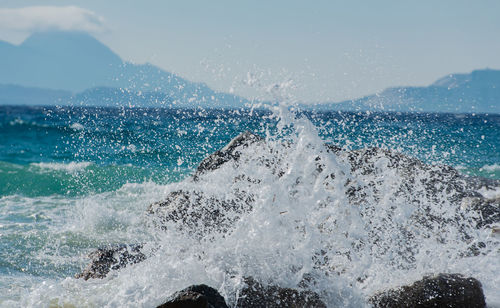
71, 167
302, 223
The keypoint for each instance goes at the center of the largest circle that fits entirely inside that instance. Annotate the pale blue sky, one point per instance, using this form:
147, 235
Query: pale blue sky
331, 50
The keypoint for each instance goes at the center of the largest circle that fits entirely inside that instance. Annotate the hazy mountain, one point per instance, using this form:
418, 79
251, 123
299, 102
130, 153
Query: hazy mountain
19, 95
106, 96
478, 91
75, 62
58, 60
86, 72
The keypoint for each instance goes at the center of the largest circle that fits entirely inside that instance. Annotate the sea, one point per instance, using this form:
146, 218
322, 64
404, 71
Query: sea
73, 179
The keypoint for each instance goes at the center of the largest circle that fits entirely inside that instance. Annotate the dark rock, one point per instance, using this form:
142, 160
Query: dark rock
489, 210
197, 296
441, 183
227, 153
442, 290
419, 184
438, 177
198, 213
479, 182
113, 257
255, 294
187, 300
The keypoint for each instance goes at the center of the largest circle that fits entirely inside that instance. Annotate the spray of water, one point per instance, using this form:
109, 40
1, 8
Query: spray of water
291, 211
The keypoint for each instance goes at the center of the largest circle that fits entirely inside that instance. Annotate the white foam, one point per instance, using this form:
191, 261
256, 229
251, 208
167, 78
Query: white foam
490, 193
301, 223
77, 126
71, 167
491, 168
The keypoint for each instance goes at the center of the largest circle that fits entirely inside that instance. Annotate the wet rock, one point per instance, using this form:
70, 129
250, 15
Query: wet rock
442, 290
230, 152
198, 213
420, 184
255, 294
437, 178
196, 296
489, 210
112, 257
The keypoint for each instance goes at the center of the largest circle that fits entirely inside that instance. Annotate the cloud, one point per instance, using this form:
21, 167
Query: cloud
42, 18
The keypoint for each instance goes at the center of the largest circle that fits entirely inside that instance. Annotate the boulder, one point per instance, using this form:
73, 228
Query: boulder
254, 294
489, 210
442, 290
112, 257
196, 296
422, 185
419, 184
198, 213
441, 183
231, 152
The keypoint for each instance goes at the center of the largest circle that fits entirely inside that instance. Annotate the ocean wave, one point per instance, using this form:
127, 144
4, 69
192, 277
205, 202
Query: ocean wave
21, 122
78, 178
490, 193
288, 210
284, 210
76, 126
490, 168
71, 167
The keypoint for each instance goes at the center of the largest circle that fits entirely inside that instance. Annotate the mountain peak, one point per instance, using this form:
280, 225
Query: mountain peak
41, 36
74, 44
64, 60
76, 61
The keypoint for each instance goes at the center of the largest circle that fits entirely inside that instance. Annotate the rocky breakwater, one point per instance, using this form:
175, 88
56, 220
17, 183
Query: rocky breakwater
373, 181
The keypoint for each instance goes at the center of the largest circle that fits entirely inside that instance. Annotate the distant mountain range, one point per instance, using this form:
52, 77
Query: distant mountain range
74, 68
478, 91
87, 72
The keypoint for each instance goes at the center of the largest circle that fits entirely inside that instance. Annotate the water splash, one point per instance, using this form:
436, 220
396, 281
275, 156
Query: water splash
318, 217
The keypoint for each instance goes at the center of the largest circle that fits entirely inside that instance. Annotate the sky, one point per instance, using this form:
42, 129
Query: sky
316, 50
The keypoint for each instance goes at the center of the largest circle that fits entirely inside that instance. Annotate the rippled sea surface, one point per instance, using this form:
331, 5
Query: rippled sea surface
73, 179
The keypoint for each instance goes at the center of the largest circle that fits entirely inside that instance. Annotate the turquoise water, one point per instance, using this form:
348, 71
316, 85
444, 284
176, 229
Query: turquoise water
72, 179
75, 151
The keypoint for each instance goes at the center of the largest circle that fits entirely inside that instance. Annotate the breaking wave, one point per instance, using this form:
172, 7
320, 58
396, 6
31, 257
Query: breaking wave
71, 167
290, 209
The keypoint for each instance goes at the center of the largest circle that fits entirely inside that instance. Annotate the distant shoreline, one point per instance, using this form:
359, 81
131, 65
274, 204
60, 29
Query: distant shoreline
300, 109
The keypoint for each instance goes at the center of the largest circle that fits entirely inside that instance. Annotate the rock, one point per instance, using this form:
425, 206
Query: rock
438, 177
113, 257
489, 210
421, 185
196, 296
255, 294
227, 153
198, 213
442, 290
